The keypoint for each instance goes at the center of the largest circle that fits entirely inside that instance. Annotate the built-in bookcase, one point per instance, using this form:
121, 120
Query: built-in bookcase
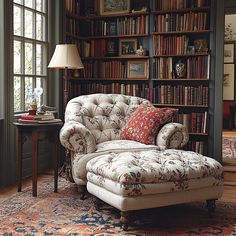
173, 69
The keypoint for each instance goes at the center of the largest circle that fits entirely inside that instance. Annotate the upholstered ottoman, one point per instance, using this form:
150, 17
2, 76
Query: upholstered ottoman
148, 179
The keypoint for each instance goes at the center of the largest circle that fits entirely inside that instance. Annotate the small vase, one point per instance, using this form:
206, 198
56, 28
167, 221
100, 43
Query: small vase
180, 69
33, 107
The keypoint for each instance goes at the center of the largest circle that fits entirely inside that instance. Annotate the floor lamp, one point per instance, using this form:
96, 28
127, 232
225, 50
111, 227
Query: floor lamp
66, 56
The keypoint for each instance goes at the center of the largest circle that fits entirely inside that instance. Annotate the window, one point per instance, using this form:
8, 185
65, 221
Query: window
30, 50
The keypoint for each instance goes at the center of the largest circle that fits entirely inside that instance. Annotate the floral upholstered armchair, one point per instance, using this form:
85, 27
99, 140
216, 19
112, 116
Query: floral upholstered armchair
97, 124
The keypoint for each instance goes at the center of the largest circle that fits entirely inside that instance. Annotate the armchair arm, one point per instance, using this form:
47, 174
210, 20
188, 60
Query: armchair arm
77, 138
172, 135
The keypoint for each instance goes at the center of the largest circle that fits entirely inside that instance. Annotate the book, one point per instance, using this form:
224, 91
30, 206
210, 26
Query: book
39, 121
48, 116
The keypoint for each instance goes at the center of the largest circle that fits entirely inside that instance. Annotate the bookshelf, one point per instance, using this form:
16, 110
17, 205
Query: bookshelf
107, 44
176, 36
181, 64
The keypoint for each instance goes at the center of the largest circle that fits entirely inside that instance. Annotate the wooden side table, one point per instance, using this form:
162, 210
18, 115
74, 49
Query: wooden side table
33, 130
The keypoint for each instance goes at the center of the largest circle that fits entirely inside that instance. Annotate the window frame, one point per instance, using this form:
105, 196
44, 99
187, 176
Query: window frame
34, 41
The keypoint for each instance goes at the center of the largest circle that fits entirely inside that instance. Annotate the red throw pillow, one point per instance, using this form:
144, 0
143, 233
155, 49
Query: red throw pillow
144, 123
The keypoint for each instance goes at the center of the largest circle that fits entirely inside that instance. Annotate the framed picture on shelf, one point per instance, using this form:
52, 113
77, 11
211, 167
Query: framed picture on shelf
230, 27
111, 7
137, 69
127, 47
228, 82
228, 53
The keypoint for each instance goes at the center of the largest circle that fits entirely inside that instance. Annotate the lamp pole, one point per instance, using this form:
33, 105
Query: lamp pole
65, 87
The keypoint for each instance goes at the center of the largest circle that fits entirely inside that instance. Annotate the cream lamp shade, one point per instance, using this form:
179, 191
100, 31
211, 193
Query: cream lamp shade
66, 56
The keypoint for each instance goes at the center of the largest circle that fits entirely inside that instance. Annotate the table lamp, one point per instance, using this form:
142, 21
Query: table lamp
66, 56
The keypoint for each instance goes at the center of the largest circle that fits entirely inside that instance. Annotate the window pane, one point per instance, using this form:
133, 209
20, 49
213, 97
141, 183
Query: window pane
28, 24
17, 20
40, 27
39, 5
29, 3
39, 59
17, 93
28, 58
18, 1
17, 57
40, 84
28, 87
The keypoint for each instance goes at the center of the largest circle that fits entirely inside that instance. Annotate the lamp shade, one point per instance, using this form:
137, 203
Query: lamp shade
66, 56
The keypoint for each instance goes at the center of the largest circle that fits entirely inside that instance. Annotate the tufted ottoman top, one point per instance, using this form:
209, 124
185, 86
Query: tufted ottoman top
183, 169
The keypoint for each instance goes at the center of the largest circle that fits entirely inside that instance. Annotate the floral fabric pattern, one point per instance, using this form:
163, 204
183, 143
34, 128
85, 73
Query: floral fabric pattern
103, 114
93, 120
137, 171
144, 123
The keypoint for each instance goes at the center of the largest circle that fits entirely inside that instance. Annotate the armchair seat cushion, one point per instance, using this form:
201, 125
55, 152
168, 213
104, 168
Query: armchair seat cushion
151, 172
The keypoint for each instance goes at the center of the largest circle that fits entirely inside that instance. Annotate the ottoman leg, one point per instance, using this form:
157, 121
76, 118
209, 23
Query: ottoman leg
98, 204
125, 219
211, 205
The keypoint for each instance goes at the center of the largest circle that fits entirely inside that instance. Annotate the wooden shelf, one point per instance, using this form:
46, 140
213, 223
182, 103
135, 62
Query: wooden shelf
108, 79
183, 79
198, 134
181, 106
183, 55
182, 32
74, 36
115, 58
113, 36
195, 9
107, 16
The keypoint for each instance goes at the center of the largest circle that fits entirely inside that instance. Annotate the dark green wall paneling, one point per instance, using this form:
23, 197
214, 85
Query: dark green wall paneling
1, 59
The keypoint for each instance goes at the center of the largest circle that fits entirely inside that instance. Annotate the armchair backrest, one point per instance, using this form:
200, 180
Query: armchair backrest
103, 114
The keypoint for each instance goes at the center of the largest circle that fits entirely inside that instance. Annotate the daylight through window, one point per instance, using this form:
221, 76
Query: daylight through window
30, 50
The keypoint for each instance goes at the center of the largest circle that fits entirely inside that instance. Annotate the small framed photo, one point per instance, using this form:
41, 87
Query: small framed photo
111, 7
137, 69
229, 53
127, 47
228, 82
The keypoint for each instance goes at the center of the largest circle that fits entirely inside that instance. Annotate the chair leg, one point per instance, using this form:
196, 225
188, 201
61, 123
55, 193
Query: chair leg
83, 191
211, 205
125, 219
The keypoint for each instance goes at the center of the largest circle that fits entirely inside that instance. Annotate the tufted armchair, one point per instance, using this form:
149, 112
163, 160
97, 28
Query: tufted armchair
93, 125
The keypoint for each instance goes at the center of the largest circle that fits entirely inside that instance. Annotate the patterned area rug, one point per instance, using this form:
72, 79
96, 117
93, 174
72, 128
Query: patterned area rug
64, 213
229, 149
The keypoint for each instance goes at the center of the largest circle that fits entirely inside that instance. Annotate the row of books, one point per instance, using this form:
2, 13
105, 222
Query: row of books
196, 67
192, 21
121, 26
170, 45
178, 4
97, 48
72, 26
106, 69
195, 122
135, 89
180, 94
165, 94
196, 146
72, 6
47, 117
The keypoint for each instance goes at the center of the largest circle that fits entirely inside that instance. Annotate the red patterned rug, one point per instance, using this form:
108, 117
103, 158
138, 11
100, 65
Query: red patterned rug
229, 149
64, 213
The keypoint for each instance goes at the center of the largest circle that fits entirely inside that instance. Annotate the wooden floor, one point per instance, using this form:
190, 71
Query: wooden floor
229, 194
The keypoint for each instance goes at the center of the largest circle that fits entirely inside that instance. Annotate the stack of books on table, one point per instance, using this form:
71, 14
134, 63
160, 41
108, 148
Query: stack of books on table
39, 118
